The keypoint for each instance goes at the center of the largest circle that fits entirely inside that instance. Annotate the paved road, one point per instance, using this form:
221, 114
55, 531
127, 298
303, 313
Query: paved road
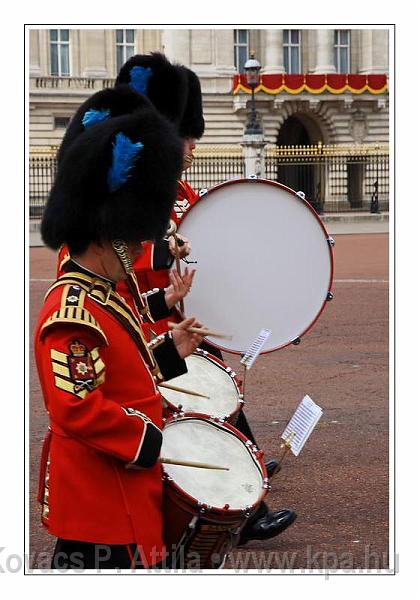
339, 484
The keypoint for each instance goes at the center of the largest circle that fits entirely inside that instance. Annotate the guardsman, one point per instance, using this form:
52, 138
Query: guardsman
152, 267
100, 485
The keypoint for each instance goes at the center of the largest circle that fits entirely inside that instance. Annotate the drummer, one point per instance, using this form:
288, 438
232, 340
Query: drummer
100, 485
152, 268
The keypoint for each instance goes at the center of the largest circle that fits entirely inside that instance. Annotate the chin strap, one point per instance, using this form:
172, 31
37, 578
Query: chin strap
121, 250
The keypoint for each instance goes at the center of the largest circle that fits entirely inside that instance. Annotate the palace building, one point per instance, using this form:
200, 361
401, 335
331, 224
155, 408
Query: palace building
67, 65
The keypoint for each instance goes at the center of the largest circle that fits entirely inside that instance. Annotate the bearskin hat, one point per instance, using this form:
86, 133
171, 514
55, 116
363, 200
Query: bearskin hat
166, 85
108, 103
117, 180
192, 121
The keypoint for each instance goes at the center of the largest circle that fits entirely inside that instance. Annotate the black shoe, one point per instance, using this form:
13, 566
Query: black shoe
271, 466
268, 526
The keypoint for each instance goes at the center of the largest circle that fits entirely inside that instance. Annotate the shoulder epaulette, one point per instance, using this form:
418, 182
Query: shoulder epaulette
72, 310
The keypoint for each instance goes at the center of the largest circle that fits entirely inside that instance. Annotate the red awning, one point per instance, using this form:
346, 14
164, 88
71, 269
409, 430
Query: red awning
335, 83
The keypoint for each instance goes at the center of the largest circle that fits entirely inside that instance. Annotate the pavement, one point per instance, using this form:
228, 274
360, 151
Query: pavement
339, 485
342, 223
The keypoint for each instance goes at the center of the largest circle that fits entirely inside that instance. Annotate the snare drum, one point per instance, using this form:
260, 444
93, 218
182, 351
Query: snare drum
205, 509
210, 376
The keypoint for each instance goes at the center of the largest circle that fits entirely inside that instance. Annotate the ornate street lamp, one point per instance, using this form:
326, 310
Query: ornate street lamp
252, 72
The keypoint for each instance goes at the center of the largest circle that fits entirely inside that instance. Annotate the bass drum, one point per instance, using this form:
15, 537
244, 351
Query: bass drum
264, 261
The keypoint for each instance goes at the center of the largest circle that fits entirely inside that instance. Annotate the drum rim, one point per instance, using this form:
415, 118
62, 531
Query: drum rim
314, 213
233, 376
256, 456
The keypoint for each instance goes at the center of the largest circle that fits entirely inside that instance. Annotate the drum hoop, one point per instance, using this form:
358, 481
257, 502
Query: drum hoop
315, 214
256, 456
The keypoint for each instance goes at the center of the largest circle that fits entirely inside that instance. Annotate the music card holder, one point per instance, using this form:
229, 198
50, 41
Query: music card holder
255, 348
302, 424
299, 429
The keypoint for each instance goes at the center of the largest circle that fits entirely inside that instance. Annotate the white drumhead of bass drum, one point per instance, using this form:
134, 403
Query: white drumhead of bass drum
263, 262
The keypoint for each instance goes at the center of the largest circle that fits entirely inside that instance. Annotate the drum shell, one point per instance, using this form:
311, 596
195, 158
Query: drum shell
179, 508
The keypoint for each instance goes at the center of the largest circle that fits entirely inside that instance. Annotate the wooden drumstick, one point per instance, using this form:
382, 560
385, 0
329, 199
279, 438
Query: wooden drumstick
189, 463
175, 388
202, 331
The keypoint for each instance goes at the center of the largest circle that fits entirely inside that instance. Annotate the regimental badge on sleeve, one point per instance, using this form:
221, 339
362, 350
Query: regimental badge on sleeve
78, 372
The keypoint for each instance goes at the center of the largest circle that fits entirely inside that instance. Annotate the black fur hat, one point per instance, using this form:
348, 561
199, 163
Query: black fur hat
166, 85
192, 122
117, 180
108, 103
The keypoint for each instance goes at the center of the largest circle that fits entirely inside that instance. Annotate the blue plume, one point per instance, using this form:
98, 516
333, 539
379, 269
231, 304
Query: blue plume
139, 79
93, 116
124, 153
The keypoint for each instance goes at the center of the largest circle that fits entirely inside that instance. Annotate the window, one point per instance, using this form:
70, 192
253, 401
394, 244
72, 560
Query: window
61, 122
291, 50
125, 46
60, 52
241, 48
342, 50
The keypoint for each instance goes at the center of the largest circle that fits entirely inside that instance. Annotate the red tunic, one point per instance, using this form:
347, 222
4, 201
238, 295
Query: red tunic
92, 495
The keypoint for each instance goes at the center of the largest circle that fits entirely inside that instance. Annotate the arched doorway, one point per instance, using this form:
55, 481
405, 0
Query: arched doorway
303, 171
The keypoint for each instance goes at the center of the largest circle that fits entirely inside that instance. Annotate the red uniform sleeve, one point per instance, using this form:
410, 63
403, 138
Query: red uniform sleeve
73, 375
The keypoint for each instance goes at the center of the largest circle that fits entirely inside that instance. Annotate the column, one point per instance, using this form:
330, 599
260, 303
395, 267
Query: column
224, 51
273, 55
34, 54
366, 39
380, 51
325, 51
254, 155
176, 45
92, 53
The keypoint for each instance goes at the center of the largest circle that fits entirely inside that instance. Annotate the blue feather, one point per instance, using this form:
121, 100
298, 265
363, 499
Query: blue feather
139, 79
92, 116
124, 153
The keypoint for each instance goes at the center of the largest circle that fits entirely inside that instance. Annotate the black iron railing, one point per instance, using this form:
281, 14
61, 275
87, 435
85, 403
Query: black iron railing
334, 178
42, 169
215, 165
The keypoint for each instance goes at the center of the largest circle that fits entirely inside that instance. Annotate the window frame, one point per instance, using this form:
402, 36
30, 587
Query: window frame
338, 46
288, 46
59, 44
237, 45
124, 45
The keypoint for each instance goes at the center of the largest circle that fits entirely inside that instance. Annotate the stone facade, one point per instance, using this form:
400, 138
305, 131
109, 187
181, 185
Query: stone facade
330, 118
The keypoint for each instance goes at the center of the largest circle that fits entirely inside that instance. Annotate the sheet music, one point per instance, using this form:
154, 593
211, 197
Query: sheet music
253, 351
302, 423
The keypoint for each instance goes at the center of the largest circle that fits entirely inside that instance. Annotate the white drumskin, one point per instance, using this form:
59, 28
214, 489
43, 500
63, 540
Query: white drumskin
209, 378
263, 262
201, 441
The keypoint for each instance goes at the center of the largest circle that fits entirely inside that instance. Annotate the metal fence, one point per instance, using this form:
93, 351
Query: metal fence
334, 178
42, 169
215, 165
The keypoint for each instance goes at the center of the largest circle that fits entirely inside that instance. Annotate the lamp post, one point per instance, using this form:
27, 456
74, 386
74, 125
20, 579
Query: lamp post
252, 72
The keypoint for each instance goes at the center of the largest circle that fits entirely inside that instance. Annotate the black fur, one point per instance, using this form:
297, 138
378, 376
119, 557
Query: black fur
80, 208
192, 122
167, 87
120, 100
